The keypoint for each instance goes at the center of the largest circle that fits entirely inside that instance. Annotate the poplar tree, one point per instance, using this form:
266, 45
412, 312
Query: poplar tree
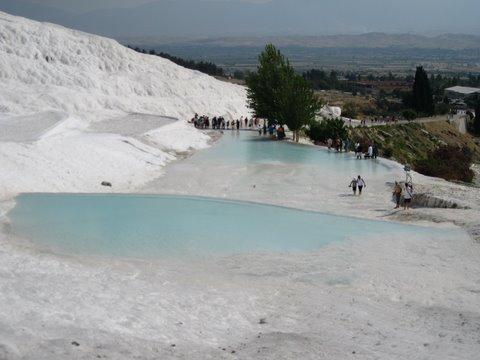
264, 84
422, 95
275, 92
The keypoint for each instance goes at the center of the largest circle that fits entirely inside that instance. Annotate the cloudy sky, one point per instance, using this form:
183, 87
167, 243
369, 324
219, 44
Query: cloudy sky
254, 17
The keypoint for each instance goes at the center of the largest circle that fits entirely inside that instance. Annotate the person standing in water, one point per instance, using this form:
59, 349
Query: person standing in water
408, 196
361, 184
353, 185
397, 193
370, 152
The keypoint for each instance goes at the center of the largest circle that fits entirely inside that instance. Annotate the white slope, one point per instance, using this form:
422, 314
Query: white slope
63, 93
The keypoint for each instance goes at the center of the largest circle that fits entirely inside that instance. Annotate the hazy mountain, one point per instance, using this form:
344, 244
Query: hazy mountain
209, 18
370, 40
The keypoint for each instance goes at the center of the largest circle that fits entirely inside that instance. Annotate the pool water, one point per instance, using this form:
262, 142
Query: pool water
249, 148
136, 226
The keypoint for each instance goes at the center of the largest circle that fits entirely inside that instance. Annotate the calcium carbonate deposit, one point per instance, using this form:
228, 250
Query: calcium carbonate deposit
78, 110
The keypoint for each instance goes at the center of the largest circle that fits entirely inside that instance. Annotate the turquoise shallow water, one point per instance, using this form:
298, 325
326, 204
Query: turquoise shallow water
169, 226
247, 148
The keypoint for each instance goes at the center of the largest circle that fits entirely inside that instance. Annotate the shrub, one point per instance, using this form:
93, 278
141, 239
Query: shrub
442, 109
409, 114
350, 110
321, 131
447, 162
388, 152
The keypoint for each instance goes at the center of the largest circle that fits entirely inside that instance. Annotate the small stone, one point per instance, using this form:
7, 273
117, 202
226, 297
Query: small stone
353, 352
74, 343
172, 345
233, 351
262, 321
106, 183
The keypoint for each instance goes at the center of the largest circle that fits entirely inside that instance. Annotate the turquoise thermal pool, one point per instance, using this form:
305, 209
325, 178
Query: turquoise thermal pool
136, 226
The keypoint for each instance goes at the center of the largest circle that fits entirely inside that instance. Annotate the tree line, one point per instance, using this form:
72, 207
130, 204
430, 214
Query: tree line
205, 67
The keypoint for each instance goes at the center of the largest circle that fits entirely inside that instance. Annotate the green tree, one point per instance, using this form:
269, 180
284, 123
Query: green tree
422, 95
321, 131
263, 85
350, 110
275, 92
409, 114
297, 103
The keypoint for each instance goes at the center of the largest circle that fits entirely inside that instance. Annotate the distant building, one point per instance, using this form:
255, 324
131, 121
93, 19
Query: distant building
461, 92
331, 112
459, 107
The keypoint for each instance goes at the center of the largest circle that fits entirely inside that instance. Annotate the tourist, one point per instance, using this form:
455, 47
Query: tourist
370, 152
358, 150
338, 145
397, 194
329, 143
353, 185
347, 145
271, 130
361, 184
281, 133
408, 196
238, 124
375, 151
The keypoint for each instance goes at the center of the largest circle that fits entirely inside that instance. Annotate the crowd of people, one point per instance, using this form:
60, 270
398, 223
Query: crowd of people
219, 123
341, 145
380, 120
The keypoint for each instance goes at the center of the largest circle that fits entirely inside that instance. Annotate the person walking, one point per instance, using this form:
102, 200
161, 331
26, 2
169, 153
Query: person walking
353, 185
359, 151
408, 196
397, 194
361, 184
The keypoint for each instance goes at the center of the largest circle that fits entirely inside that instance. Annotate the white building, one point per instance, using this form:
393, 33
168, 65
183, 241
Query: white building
461, 92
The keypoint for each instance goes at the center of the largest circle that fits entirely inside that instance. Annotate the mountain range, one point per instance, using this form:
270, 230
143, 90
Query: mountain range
370, 40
